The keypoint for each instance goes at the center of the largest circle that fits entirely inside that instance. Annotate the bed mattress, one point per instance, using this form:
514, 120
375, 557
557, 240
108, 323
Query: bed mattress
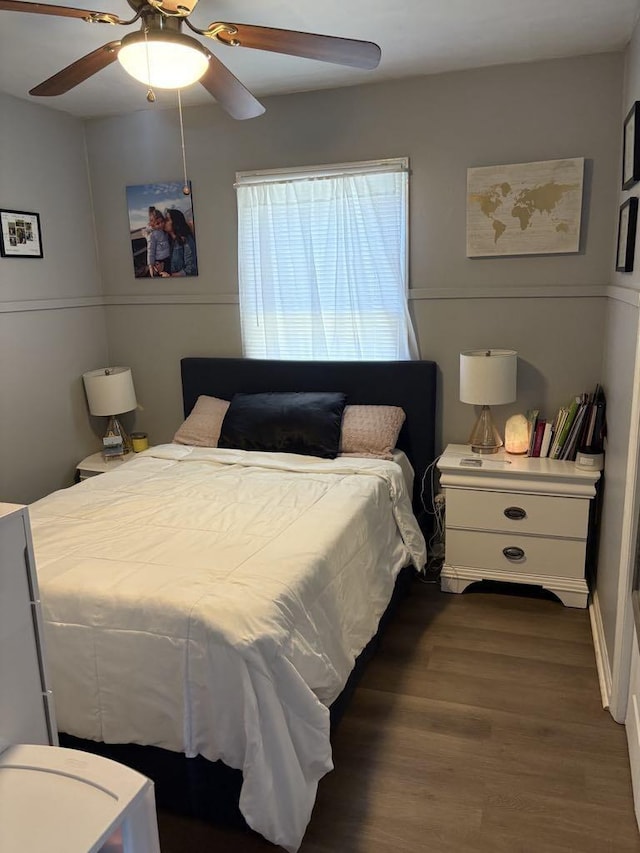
213, 602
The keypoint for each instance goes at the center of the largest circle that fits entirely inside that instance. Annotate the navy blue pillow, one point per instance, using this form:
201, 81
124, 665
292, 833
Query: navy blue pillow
307, 422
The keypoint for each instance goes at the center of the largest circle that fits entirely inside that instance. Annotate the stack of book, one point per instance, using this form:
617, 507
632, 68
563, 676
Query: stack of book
112, 446
580, 425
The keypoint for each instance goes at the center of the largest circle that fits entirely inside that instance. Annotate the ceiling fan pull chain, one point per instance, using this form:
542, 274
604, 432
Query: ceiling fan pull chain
151, 95
186, 190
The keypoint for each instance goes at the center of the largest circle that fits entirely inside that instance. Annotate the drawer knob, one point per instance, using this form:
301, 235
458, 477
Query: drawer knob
513, 553
515, 513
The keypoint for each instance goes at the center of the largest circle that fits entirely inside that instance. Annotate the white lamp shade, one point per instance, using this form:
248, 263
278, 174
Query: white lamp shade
110, 390
163, 59
488, 376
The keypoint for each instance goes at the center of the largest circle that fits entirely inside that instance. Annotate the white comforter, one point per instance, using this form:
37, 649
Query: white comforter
213, 602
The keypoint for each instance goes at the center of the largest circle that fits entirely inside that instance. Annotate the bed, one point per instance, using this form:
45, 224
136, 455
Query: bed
207, 604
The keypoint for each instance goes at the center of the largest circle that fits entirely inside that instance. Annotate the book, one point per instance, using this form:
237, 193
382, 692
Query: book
572, 410
587, 433
590, 426
568, 452
546, 439
599, 427
112, 451
538, 434
557, 427
586, 423
532, 418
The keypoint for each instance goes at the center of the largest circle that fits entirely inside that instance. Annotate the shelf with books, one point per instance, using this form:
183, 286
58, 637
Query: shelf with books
578, 426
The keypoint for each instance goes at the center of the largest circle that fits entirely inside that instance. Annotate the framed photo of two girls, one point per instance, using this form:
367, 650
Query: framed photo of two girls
162, 230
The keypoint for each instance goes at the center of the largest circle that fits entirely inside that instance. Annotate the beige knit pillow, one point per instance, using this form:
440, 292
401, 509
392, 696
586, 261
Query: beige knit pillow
202, 427
371, 430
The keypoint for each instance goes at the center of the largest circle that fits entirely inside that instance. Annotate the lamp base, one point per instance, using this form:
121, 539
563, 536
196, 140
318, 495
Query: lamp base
116, 441
485, 437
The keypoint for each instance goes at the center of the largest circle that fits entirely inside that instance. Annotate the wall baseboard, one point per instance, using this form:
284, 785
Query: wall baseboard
600, 648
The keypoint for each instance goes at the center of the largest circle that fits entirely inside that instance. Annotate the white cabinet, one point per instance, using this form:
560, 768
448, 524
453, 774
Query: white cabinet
66, 801
26, 709
52, 799
515, 518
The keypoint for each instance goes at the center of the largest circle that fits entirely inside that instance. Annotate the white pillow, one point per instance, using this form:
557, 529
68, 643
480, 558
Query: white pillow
371, 430
202, 427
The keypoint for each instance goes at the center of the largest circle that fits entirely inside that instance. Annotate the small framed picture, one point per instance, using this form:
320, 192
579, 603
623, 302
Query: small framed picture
627, 222
631, 147
20, 235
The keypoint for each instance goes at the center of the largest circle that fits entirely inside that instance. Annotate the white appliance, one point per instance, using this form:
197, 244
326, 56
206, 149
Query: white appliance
52, 799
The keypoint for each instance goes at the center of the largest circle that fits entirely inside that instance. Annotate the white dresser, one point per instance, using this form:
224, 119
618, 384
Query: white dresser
517, 519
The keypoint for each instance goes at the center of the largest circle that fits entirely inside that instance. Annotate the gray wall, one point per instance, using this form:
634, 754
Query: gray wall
618, 374
52, 324
620, 379
551, 309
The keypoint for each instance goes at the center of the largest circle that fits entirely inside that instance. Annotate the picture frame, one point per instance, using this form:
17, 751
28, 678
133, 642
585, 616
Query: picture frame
631, 147
627, 222
20, 234
525, 208
162, 230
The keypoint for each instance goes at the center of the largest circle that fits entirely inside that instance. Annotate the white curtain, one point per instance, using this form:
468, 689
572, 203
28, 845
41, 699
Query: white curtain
322, 265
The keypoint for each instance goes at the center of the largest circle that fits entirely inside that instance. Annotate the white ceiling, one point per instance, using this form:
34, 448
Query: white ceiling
416, 37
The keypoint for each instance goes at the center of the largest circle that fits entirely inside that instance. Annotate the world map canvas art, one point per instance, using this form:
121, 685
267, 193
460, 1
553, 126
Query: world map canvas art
524, 208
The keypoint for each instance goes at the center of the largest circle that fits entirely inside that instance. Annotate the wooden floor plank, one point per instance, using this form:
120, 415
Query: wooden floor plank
417, 643
477, 728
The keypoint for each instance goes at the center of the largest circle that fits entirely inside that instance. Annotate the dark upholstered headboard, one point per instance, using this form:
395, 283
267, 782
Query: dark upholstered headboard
409, 384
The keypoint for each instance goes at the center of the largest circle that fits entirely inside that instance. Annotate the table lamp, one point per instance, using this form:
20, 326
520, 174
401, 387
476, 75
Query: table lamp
110, 392
487, 378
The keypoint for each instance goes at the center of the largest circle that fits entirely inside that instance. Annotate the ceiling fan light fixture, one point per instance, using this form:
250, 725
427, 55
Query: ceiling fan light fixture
163, 59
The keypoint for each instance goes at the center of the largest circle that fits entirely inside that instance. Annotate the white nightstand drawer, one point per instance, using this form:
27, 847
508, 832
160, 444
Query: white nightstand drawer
540, 556
517, 513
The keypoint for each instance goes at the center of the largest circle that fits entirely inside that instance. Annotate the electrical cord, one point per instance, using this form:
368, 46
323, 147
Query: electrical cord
436, 509
429, 472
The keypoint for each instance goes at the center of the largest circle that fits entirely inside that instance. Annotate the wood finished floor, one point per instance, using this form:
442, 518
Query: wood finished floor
477, 728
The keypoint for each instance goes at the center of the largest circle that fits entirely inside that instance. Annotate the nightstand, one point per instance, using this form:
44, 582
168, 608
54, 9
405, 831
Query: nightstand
517, 519
97, 464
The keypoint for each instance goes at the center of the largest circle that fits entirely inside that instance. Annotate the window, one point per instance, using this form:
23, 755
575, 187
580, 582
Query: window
322, 260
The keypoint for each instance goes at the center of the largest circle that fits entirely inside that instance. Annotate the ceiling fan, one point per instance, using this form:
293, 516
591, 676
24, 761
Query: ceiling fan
160, 55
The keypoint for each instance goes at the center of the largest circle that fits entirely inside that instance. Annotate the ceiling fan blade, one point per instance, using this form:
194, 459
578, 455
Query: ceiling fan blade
60, 11
358, 54
78, 71
229, 92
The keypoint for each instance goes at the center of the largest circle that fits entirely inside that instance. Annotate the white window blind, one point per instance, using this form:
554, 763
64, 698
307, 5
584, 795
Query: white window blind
322, 259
